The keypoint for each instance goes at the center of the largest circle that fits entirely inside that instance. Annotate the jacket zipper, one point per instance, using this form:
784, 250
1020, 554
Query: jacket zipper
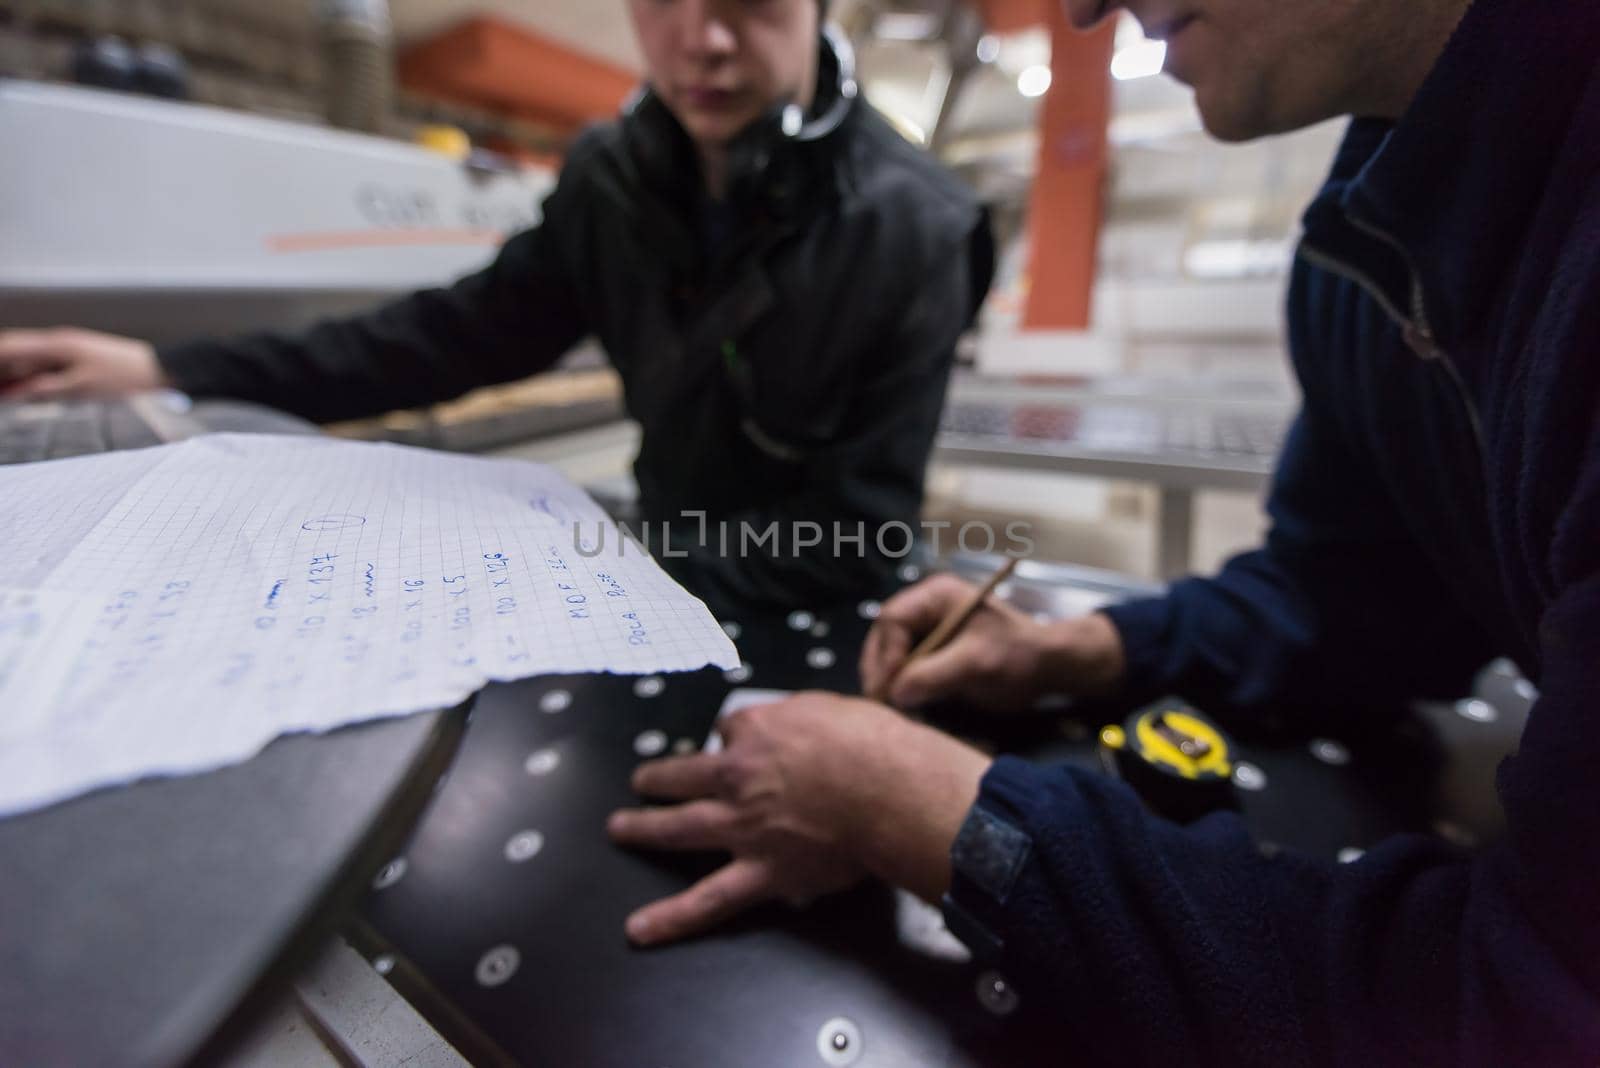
1415, 325
1418, 325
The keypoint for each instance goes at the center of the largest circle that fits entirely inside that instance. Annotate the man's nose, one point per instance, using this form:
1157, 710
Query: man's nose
706, 29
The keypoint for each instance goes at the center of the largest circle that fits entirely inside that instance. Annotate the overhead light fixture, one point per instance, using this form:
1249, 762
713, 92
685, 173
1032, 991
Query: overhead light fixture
988, 48
1034, 81
1236, 258
907, 26
911, 131
1139, 60
1129, 32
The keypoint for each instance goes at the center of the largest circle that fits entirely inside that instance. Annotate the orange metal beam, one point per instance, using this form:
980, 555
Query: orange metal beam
491, 63
1066, 206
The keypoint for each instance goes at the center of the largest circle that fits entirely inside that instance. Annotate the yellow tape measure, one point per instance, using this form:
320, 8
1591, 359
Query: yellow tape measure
1180, 763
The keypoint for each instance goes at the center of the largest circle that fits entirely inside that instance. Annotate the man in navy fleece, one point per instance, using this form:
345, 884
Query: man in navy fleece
1437, 503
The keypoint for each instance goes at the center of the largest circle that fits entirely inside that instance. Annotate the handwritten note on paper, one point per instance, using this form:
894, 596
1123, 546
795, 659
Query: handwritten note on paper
202, 598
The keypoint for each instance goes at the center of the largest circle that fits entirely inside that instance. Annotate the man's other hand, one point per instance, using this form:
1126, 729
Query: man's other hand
1002, 660
809, 795
68, 363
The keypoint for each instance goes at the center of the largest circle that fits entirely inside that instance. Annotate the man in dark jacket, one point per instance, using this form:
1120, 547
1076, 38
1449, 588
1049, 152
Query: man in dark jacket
1437, 503
779, 278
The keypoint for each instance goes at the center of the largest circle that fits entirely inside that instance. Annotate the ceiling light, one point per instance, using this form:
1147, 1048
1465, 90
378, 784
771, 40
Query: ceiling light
1129, 32
1034, 81
1139, 61
1236, 258
911, 131
988, 48
907, 26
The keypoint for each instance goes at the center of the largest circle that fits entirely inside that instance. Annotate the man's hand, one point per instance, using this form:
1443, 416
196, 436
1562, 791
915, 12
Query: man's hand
1003, 659
810, 795
65, 362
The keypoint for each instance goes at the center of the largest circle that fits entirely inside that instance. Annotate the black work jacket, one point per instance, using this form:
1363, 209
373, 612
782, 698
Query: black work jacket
793, 375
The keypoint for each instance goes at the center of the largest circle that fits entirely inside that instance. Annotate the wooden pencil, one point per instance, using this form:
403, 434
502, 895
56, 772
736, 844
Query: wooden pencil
939, 636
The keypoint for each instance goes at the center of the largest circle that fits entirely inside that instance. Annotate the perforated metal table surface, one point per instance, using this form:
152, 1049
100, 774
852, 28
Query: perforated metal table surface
502, 920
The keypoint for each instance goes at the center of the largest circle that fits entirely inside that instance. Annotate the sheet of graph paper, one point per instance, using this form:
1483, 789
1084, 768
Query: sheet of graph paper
174, 609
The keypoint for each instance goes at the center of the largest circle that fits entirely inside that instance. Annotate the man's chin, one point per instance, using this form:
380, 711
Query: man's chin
1228, 130
715, 129
1228, 121
1245, 115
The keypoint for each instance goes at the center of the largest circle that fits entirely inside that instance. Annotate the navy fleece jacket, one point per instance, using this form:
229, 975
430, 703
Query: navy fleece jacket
1437, 502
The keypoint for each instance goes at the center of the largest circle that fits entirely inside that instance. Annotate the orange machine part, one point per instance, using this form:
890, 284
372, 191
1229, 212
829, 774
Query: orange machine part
491, 63
1066, 206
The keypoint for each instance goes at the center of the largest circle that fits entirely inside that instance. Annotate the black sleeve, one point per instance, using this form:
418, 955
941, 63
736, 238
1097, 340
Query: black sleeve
515, 317
1286, 628
1160, 944
1166, 945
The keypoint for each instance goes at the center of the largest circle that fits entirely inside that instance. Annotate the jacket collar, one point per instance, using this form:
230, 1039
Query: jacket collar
1432, 210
